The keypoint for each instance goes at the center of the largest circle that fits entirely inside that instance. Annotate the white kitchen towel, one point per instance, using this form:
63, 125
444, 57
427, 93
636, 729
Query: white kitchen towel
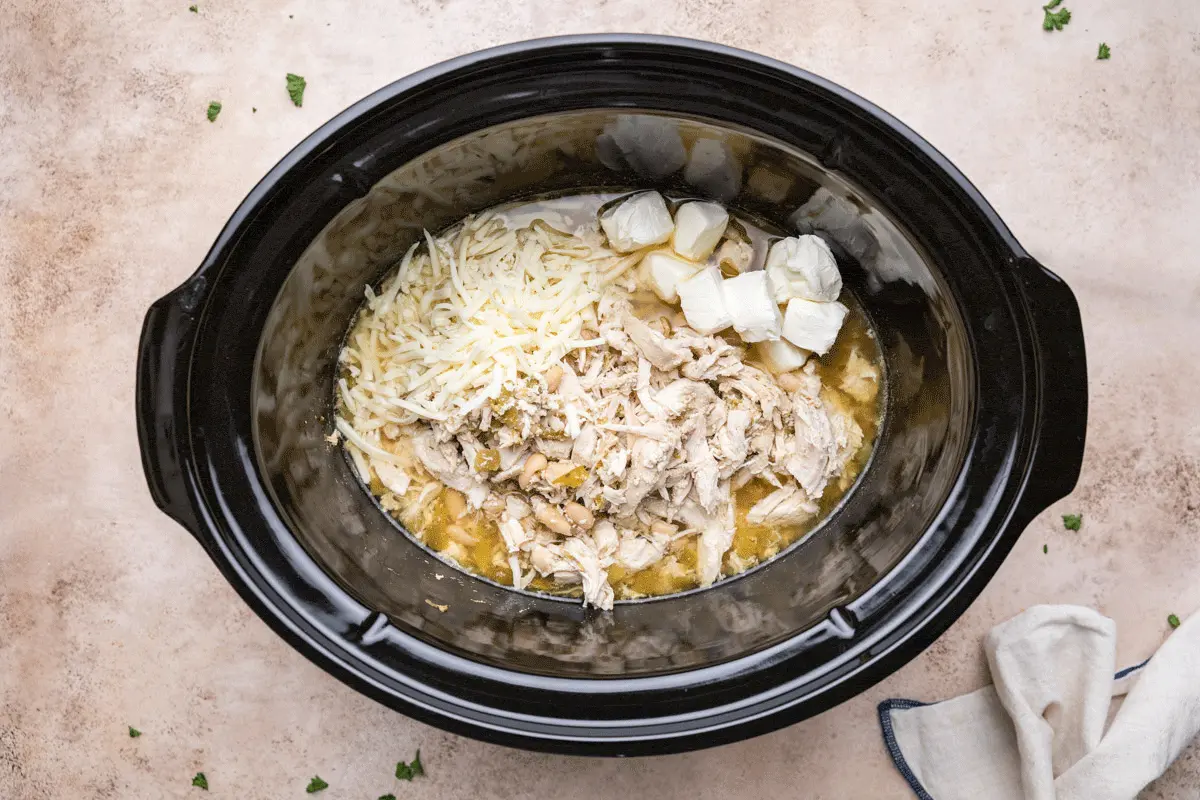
1039, 732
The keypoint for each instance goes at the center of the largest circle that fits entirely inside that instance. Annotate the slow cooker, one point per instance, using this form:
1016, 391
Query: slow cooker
983, 427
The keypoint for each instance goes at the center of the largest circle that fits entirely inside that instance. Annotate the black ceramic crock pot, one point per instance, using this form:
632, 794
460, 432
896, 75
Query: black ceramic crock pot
984, 424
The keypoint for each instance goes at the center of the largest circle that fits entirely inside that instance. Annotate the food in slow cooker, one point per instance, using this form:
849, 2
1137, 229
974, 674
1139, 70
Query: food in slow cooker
610, 397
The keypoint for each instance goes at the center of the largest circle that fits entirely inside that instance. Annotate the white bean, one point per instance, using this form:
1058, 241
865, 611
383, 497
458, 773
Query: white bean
663, 528
553, 519
579, 515
456, 504
554, 377
533, 465
788, 382
460, 534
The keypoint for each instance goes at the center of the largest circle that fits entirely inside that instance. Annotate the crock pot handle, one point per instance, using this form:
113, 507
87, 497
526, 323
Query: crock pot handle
1063, 393
164, 355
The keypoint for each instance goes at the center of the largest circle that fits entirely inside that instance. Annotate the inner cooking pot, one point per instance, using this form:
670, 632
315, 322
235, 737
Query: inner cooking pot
983, 426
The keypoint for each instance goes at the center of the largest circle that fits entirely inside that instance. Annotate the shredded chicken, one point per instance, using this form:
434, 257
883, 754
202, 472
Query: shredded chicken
787, 506
582, 431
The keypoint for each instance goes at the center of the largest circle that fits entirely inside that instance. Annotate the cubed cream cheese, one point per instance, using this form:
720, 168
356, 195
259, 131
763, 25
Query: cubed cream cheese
699, 227
636, 222
804, 267
664, 272
703, 301
813, 326
754, 311
782, 356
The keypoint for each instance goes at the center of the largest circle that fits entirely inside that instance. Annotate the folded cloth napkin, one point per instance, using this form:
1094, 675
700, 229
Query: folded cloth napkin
1039, 733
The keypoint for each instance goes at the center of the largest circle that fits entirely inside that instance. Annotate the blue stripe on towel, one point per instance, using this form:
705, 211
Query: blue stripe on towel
1130, 670
889, 735
889, 741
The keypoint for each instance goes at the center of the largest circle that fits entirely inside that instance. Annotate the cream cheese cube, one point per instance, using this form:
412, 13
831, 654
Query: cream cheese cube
703, 301
804, 267
754, 311
664, 272
782, 356
699, 227
813, 326
636, 222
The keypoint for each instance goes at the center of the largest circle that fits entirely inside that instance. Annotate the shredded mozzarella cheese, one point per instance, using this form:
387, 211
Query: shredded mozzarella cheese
474, 308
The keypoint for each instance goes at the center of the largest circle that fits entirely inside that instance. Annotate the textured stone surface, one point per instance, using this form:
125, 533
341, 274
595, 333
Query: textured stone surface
113, 184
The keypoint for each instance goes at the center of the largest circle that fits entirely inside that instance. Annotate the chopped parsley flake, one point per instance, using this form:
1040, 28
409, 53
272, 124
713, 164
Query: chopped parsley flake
1072, 521
1055, 20
316, 785
214, 108
295, 88
200, 781
1173, 620
1045, 548
193, 9
387, 797
134, 732
406, 772
1104, 52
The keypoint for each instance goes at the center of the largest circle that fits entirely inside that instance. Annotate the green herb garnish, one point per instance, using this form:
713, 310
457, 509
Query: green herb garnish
1054, 20
316, 785
295, 88
193, 9
1103, 53
387, 797
214, 108
1045, 548
1173, 620
1072, 521
406, 772
134, 732
200, 781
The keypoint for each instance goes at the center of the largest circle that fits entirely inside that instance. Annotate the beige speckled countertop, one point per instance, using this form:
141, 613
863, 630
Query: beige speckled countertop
113, 185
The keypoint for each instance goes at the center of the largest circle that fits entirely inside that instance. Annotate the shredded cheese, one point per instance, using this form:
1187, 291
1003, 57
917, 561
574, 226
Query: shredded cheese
474, 310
